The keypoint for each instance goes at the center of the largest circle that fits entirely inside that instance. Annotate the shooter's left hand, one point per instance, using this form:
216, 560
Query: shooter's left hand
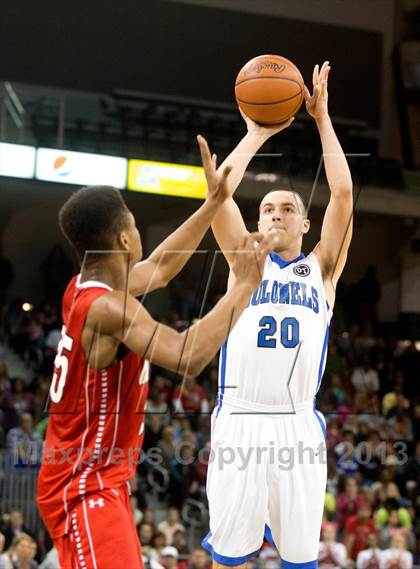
317, 103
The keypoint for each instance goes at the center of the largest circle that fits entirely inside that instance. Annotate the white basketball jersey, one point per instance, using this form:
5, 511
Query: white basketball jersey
275, 354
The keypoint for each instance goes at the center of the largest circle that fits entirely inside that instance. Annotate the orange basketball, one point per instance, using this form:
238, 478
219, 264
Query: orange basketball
269, 89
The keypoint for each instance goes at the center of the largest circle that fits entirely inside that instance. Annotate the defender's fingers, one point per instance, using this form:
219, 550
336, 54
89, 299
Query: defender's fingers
250, 242
204, 151
225, 173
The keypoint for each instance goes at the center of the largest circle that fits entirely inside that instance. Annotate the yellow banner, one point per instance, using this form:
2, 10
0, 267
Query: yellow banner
166, 179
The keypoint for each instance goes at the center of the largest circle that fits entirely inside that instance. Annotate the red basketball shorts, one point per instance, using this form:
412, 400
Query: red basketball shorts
102, 534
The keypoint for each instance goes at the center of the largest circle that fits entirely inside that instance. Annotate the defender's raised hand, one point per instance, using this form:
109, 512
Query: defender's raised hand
317, 103
248, 264
216, 181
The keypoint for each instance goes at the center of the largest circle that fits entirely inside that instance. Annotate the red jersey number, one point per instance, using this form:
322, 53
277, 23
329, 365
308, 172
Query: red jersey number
61, 365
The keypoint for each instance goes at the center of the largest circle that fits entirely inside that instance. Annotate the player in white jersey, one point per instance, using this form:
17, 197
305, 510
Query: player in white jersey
267, 474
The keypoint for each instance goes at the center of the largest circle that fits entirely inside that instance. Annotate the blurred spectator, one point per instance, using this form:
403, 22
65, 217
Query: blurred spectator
191, 399
18, 402
330, 507
392, 526
146, 532
24, 442
167, 446
21, 553
202, 436
357, 530
370, 454
36, 333
199, 559
331, 553
349, 501
52, 340
371, 557
13, 527
385, 488
397, 557
364, 377
401, 427
157, 544
171, 525
201, 466
149, 517
180, 543
3, 561
164, 386
395, 397
333, 436
269, 558
156, 405
183, 482
384, 511
169, 557
337, 389
345, 409
336, 363
137, 515
51, 560
152, 432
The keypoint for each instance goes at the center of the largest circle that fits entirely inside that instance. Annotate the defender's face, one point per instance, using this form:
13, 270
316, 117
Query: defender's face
133, 239
279, 211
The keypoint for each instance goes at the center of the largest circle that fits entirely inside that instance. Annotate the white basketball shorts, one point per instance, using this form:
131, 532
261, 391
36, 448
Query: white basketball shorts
267, 478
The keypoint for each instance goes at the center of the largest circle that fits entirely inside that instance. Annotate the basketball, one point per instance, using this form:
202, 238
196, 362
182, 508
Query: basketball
269, 89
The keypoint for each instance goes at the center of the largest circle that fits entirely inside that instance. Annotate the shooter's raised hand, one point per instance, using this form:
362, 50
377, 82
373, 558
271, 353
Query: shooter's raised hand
317, 103
264, 131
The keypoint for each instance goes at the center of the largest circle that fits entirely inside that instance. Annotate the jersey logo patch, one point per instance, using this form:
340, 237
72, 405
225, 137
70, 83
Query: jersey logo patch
99, 502
302, 270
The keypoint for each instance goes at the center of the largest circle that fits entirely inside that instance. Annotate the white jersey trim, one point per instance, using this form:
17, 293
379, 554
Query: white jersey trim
90, 284
117, 414
80, 452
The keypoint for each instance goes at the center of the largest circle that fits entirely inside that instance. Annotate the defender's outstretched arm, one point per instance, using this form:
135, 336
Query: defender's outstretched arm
167, 260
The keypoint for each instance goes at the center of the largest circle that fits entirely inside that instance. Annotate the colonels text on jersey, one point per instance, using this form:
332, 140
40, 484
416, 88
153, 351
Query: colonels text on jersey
96, 420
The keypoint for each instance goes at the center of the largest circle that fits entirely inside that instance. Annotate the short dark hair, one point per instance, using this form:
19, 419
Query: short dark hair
297, 196
92, 218
299, 199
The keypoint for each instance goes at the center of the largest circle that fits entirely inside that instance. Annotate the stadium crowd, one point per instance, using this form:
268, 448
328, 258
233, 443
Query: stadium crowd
369, 397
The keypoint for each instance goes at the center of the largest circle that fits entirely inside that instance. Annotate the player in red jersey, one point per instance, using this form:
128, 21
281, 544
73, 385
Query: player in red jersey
99, 387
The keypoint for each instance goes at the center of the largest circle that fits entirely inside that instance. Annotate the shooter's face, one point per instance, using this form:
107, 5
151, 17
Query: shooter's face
280, 212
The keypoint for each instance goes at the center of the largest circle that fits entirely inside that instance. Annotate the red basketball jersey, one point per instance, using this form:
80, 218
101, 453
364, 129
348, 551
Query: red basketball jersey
96, 420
